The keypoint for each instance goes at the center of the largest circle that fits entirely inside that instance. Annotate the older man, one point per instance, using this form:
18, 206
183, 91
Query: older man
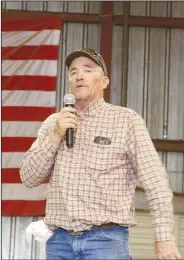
90, 204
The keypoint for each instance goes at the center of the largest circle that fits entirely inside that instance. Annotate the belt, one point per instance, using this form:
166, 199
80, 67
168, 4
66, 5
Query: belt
95, 227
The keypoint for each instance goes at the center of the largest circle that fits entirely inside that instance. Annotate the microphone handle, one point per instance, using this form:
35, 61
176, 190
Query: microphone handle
69, 132
69, 137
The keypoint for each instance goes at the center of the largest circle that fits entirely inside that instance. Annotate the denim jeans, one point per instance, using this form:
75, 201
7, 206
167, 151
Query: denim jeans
107, 244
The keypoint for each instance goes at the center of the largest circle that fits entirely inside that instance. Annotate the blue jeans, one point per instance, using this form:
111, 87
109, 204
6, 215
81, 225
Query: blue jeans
107, 244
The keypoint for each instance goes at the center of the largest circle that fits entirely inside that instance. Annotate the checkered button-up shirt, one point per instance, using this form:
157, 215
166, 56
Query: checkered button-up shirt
94, 182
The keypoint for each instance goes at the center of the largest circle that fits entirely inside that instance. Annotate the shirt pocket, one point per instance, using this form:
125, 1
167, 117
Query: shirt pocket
101, 157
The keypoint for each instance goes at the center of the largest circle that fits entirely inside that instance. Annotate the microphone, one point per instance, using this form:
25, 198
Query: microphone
69, 101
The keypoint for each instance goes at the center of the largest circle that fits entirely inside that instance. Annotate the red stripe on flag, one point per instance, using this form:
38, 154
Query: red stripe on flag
43, 83
23, 208
40, 52
12, 175
34, 23
26, 113
16, 144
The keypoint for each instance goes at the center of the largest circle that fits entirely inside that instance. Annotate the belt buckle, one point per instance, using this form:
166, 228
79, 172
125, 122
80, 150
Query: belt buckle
77, 233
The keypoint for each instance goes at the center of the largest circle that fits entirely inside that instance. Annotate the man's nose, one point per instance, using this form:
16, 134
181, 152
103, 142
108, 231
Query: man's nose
79, 75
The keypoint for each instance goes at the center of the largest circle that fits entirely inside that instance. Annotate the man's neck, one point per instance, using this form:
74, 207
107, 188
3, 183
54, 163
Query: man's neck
83, 104
80, 106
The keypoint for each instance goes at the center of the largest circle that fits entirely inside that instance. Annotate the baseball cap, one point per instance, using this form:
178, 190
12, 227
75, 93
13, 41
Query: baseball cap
89, 53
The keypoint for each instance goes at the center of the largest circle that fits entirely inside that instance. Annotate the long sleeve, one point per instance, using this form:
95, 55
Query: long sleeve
153, 177
38, 161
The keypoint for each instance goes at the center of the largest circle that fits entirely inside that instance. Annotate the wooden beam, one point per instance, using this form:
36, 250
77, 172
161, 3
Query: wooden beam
67, 17
85, 18
106, 39
169, 145
161, 22
148, 21
124, 54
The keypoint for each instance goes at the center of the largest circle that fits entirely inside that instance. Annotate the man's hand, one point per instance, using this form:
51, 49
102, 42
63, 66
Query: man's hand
166, 250
66, 119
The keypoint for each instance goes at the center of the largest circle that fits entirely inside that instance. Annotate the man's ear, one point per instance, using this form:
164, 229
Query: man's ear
106, 82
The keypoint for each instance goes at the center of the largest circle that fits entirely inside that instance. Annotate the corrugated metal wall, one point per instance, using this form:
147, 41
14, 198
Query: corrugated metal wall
155, 79
154, 88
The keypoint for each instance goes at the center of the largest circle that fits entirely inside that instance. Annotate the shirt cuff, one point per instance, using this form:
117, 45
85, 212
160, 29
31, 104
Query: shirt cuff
163, 233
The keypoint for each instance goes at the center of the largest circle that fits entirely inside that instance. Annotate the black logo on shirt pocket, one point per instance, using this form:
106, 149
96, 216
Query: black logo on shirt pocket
102, 140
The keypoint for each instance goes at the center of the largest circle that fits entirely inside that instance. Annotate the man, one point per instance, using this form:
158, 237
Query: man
90, 203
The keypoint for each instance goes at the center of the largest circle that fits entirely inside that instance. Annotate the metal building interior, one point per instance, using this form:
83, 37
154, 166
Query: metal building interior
143, 46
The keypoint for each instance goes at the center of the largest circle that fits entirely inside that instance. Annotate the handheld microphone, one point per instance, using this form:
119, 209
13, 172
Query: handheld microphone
69, 101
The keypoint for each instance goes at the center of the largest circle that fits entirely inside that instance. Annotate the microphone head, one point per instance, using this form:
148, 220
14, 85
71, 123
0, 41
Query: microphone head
69, 99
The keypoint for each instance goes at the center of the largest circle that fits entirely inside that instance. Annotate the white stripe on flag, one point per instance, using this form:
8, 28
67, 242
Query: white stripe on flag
16, 38
18, 191
20, 129
12, 160
28, 98
29, 67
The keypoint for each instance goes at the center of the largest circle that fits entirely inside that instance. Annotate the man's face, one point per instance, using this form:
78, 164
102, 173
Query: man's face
86, 79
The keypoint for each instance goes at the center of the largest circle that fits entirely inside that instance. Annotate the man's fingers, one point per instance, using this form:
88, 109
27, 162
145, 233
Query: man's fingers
178, 256
70, 124
171, 256
162, 257
69, 115
69, 121
175, 256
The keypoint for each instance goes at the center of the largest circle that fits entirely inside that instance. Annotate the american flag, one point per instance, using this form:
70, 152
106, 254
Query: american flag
29, 68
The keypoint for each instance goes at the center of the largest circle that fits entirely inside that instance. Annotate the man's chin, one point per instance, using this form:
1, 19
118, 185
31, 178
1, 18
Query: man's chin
80, 98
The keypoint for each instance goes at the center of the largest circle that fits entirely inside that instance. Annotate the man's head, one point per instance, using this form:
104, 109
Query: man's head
89, 53
87, 75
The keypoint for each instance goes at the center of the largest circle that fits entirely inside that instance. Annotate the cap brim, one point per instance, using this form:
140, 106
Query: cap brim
77, 54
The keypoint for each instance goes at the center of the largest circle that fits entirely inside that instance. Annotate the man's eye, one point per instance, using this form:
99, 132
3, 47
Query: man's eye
73, 73
87, 70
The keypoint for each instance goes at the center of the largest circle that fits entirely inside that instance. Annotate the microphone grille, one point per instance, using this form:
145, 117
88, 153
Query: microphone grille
69, 99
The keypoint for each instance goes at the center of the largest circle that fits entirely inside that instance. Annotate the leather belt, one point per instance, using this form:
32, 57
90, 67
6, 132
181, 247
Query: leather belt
95, 227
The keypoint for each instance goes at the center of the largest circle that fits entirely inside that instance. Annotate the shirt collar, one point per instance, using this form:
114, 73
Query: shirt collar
93, 108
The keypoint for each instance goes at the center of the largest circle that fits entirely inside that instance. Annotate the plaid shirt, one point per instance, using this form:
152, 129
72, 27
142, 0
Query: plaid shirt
94, 182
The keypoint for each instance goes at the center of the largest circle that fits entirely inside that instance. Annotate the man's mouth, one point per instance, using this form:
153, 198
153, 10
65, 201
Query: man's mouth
80, 86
